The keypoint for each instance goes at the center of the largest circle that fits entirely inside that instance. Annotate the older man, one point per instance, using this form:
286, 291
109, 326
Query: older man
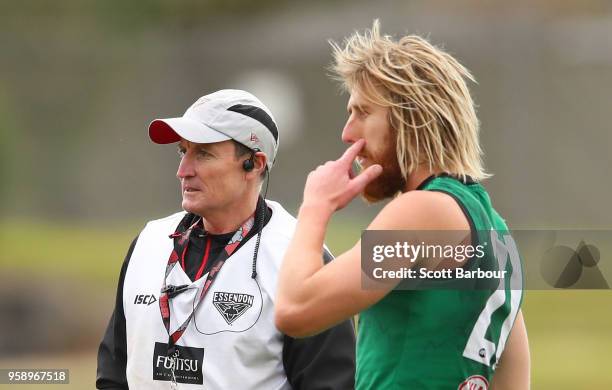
195, 302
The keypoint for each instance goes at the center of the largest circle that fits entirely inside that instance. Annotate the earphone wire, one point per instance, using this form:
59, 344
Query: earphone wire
261, 220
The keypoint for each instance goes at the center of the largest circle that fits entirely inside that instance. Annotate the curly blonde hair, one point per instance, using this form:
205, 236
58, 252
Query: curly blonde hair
430, 107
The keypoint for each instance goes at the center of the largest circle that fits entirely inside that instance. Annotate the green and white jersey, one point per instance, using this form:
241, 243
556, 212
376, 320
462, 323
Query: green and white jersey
441, 339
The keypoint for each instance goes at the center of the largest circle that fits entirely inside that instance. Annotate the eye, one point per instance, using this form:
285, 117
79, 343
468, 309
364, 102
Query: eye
203, 153
360, 113
181, 152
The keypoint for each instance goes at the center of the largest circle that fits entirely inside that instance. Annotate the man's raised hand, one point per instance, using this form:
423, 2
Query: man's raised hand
332, 186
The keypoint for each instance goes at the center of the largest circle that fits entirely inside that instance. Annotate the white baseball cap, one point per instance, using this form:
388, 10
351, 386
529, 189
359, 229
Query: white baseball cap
220, 116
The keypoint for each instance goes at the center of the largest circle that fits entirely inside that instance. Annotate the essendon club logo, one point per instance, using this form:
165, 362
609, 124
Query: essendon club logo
232, 305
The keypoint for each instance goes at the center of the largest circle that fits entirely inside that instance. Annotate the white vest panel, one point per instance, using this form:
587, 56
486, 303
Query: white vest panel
232, 342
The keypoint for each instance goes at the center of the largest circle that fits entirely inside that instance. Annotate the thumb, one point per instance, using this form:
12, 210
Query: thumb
365, 177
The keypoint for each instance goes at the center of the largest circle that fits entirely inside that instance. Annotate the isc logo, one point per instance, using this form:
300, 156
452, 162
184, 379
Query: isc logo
142, 299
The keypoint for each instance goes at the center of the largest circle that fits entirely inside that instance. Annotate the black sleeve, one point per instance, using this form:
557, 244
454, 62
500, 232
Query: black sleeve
324, 361
112, 353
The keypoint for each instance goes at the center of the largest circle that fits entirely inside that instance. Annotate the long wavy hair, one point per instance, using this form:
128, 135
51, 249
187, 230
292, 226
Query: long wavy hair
430, 107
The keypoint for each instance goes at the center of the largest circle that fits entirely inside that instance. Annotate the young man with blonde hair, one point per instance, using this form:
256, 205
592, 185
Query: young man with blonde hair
414, 131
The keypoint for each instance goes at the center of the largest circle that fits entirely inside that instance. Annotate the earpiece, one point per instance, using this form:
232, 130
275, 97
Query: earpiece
249, 164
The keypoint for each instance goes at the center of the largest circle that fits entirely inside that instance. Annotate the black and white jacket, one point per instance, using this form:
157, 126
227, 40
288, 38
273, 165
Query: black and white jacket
232, 342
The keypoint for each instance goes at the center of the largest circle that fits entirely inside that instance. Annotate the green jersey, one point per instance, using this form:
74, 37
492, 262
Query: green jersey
441, 339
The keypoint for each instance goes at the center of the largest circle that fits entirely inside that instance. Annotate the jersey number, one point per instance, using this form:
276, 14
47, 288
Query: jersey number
478, 347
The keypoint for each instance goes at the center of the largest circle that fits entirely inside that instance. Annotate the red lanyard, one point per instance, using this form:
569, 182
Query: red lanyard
169, 291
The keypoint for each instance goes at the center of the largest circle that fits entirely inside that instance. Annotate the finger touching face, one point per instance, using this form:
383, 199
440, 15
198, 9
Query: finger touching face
369, 122
351, 153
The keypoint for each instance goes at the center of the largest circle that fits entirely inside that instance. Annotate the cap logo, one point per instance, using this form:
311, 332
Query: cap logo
254, 138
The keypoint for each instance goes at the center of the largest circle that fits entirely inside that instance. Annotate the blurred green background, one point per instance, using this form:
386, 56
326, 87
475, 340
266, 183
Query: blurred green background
80, 80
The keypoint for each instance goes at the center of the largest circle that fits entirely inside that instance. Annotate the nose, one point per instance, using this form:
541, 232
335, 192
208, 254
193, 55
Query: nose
186, 167
350, 133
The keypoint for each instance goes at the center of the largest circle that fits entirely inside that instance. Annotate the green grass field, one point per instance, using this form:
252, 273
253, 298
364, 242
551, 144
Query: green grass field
570, 332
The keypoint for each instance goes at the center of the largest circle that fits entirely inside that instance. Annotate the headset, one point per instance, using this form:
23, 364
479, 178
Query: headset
249, 164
